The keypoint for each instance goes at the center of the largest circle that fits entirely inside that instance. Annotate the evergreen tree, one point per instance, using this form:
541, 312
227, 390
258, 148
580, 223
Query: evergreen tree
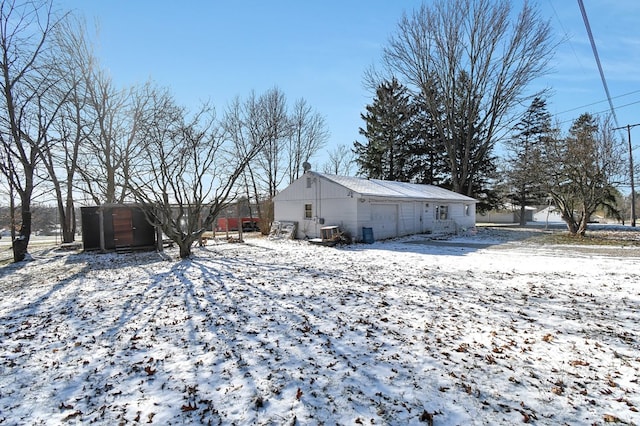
427, 160
525, 177
389, 132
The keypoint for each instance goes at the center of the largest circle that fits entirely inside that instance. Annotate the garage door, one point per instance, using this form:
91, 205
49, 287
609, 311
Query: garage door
384, 220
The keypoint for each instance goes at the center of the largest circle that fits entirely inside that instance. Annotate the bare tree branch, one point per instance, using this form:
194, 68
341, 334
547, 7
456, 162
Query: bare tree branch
471, 65
26, 80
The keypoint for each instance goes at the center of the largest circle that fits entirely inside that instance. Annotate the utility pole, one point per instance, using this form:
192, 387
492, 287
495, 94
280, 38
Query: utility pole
633, 189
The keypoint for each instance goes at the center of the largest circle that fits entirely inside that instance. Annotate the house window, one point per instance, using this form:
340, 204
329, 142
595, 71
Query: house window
442, 212
309, 182
467, 211
308, 212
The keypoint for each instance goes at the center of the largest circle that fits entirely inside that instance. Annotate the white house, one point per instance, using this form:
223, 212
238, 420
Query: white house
508, 215
549, 214
389, 209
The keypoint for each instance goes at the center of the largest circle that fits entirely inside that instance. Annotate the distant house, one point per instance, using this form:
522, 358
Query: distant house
389, 209
508, 215
549, 214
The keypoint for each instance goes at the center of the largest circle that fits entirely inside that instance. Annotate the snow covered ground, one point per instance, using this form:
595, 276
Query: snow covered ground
473, 330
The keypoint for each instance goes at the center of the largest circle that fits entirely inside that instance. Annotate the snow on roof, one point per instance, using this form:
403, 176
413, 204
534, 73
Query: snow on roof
387, 188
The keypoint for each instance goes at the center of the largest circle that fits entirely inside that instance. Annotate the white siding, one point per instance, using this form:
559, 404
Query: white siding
427, 208
408, 221
336, 201
467, 217
384, 220
363, 217
331, 205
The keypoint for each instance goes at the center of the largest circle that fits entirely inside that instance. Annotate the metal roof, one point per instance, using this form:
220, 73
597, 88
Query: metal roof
387, 188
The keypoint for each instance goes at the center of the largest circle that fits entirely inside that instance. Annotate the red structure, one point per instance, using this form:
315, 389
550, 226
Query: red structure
231, 224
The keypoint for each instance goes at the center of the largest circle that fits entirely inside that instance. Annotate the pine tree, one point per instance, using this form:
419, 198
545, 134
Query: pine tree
389, 132
427, 159
525, 177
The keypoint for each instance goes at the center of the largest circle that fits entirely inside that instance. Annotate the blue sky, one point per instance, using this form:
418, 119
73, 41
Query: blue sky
216, 50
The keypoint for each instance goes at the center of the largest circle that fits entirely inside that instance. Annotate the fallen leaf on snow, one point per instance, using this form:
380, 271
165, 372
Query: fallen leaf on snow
189, 407
64, 406
610, 418
579, 362
427, 417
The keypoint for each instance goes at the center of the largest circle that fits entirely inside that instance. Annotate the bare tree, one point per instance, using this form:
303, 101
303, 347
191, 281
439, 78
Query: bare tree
583, 169
26, 81
186, 169
261, 121
286, 142
114, 115
70, 129
308, 135
273, 125
243, 124
470, 63
341, 161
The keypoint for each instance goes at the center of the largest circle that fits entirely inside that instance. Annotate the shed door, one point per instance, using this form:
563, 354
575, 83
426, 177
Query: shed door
384, 220
90, 228
122, 227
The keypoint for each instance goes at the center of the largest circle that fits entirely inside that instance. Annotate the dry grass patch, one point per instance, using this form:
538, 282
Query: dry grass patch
595, 237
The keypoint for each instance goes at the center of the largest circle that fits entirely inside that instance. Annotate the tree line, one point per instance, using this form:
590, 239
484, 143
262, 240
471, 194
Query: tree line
67, 131
450, 86
577, 171
454, 77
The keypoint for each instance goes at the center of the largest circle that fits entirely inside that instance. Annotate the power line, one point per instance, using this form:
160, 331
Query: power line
595, 54
621, 106
599, 102
599, 112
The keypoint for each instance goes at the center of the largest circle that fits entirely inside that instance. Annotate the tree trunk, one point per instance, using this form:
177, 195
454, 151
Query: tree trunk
572, 225
12, 211
582, 227
263, 228
523, 219
67, 218
65, 205
69, 225
69, 229
572, 228
21, 242
185, 249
